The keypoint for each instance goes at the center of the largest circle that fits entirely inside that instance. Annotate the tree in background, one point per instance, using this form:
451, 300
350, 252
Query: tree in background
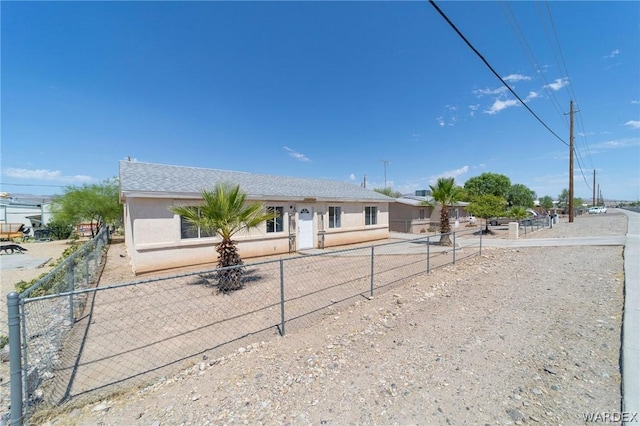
388, 192
519, 212
487, 206
97, 204
520, 196
225, 212
445, 194
563, 199
546, 202
60, 230
488, 184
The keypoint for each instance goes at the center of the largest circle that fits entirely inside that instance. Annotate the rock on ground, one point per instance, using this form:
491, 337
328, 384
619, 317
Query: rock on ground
518, 336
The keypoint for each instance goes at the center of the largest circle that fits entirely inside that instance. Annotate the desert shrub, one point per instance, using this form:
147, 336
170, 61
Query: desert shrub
60, 230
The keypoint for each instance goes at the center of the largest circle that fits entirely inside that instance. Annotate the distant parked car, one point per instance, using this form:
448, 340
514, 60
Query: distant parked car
597, 209
495, 221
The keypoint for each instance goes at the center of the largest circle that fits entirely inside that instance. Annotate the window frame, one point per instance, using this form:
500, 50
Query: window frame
187, 229
275, 225
370, 215
335, 219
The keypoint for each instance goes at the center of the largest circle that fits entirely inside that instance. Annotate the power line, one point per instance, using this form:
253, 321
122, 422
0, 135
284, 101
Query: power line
533, 60
31, 184
563, 64
452, 25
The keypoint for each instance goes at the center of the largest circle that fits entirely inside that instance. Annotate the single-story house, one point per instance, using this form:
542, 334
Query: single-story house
418, 213
312, 213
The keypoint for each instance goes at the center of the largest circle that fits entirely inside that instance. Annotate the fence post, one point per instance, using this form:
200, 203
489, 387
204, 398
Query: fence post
70, 283
86, 267
454, 248
428, 255
96, 256
372, 257
281, 297
15, 356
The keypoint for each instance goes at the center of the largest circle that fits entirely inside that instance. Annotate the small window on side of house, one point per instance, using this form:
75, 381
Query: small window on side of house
334, 217
276, 224
370, 215
188, 230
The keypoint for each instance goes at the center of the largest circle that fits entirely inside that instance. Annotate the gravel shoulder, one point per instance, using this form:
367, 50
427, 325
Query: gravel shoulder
529, 335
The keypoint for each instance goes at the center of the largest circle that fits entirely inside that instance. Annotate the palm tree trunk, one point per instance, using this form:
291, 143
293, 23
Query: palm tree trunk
445, 228
230, 277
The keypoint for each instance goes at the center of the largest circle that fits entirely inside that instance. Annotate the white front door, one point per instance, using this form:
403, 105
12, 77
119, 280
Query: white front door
305, 228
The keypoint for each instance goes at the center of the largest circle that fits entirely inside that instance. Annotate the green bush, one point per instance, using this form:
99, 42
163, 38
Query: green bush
61, 230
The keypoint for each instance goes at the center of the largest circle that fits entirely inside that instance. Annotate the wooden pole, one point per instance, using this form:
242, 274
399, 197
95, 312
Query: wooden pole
571, 207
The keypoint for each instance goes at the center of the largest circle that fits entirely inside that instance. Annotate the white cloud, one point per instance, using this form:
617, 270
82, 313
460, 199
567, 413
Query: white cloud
516, 77
297, 155
532, 95
352, 176
499, 105
483, 92
635, 124
612, 55
558, 84
450, 173
43, 174
614, 144
473, 109
448, 117
635, 102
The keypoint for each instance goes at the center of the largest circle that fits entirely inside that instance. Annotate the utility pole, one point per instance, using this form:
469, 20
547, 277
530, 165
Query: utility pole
385, 173
571, 161
594, 187
600, 200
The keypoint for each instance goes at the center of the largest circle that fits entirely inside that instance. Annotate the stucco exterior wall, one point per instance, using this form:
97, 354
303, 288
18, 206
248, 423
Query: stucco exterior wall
152, 233
406, 218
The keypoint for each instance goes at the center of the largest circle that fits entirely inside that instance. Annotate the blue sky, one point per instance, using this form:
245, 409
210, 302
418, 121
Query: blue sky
335, 90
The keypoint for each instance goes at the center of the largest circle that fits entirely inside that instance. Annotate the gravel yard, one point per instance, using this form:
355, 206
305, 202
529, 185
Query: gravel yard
515, 336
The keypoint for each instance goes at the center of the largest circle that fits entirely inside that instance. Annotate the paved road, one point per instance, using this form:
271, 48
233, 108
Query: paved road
609, 240
21, 261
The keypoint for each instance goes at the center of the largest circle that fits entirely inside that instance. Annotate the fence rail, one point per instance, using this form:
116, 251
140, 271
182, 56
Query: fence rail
87, 340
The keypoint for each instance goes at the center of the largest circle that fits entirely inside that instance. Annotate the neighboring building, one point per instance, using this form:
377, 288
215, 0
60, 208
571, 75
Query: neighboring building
313, 213
33, 213
417, 214
410, 215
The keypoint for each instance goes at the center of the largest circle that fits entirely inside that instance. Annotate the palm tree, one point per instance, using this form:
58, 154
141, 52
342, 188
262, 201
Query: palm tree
225, 212
445, 194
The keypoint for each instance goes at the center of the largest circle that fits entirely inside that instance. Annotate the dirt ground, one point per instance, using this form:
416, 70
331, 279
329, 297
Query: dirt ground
517, 336
46, 254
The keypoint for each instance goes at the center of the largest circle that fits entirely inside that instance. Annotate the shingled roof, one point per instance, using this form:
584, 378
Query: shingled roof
160, 180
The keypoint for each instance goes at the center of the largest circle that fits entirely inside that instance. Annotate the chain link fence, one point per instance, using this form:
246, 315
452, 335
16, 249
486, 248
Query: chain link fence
42, 318
88, 341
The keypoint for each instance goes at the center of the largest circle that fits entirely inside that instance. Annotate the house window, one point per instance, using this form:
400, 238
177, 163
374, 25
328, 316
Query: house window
276, 224
370, 215
189, 230
422, 214
334, 217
